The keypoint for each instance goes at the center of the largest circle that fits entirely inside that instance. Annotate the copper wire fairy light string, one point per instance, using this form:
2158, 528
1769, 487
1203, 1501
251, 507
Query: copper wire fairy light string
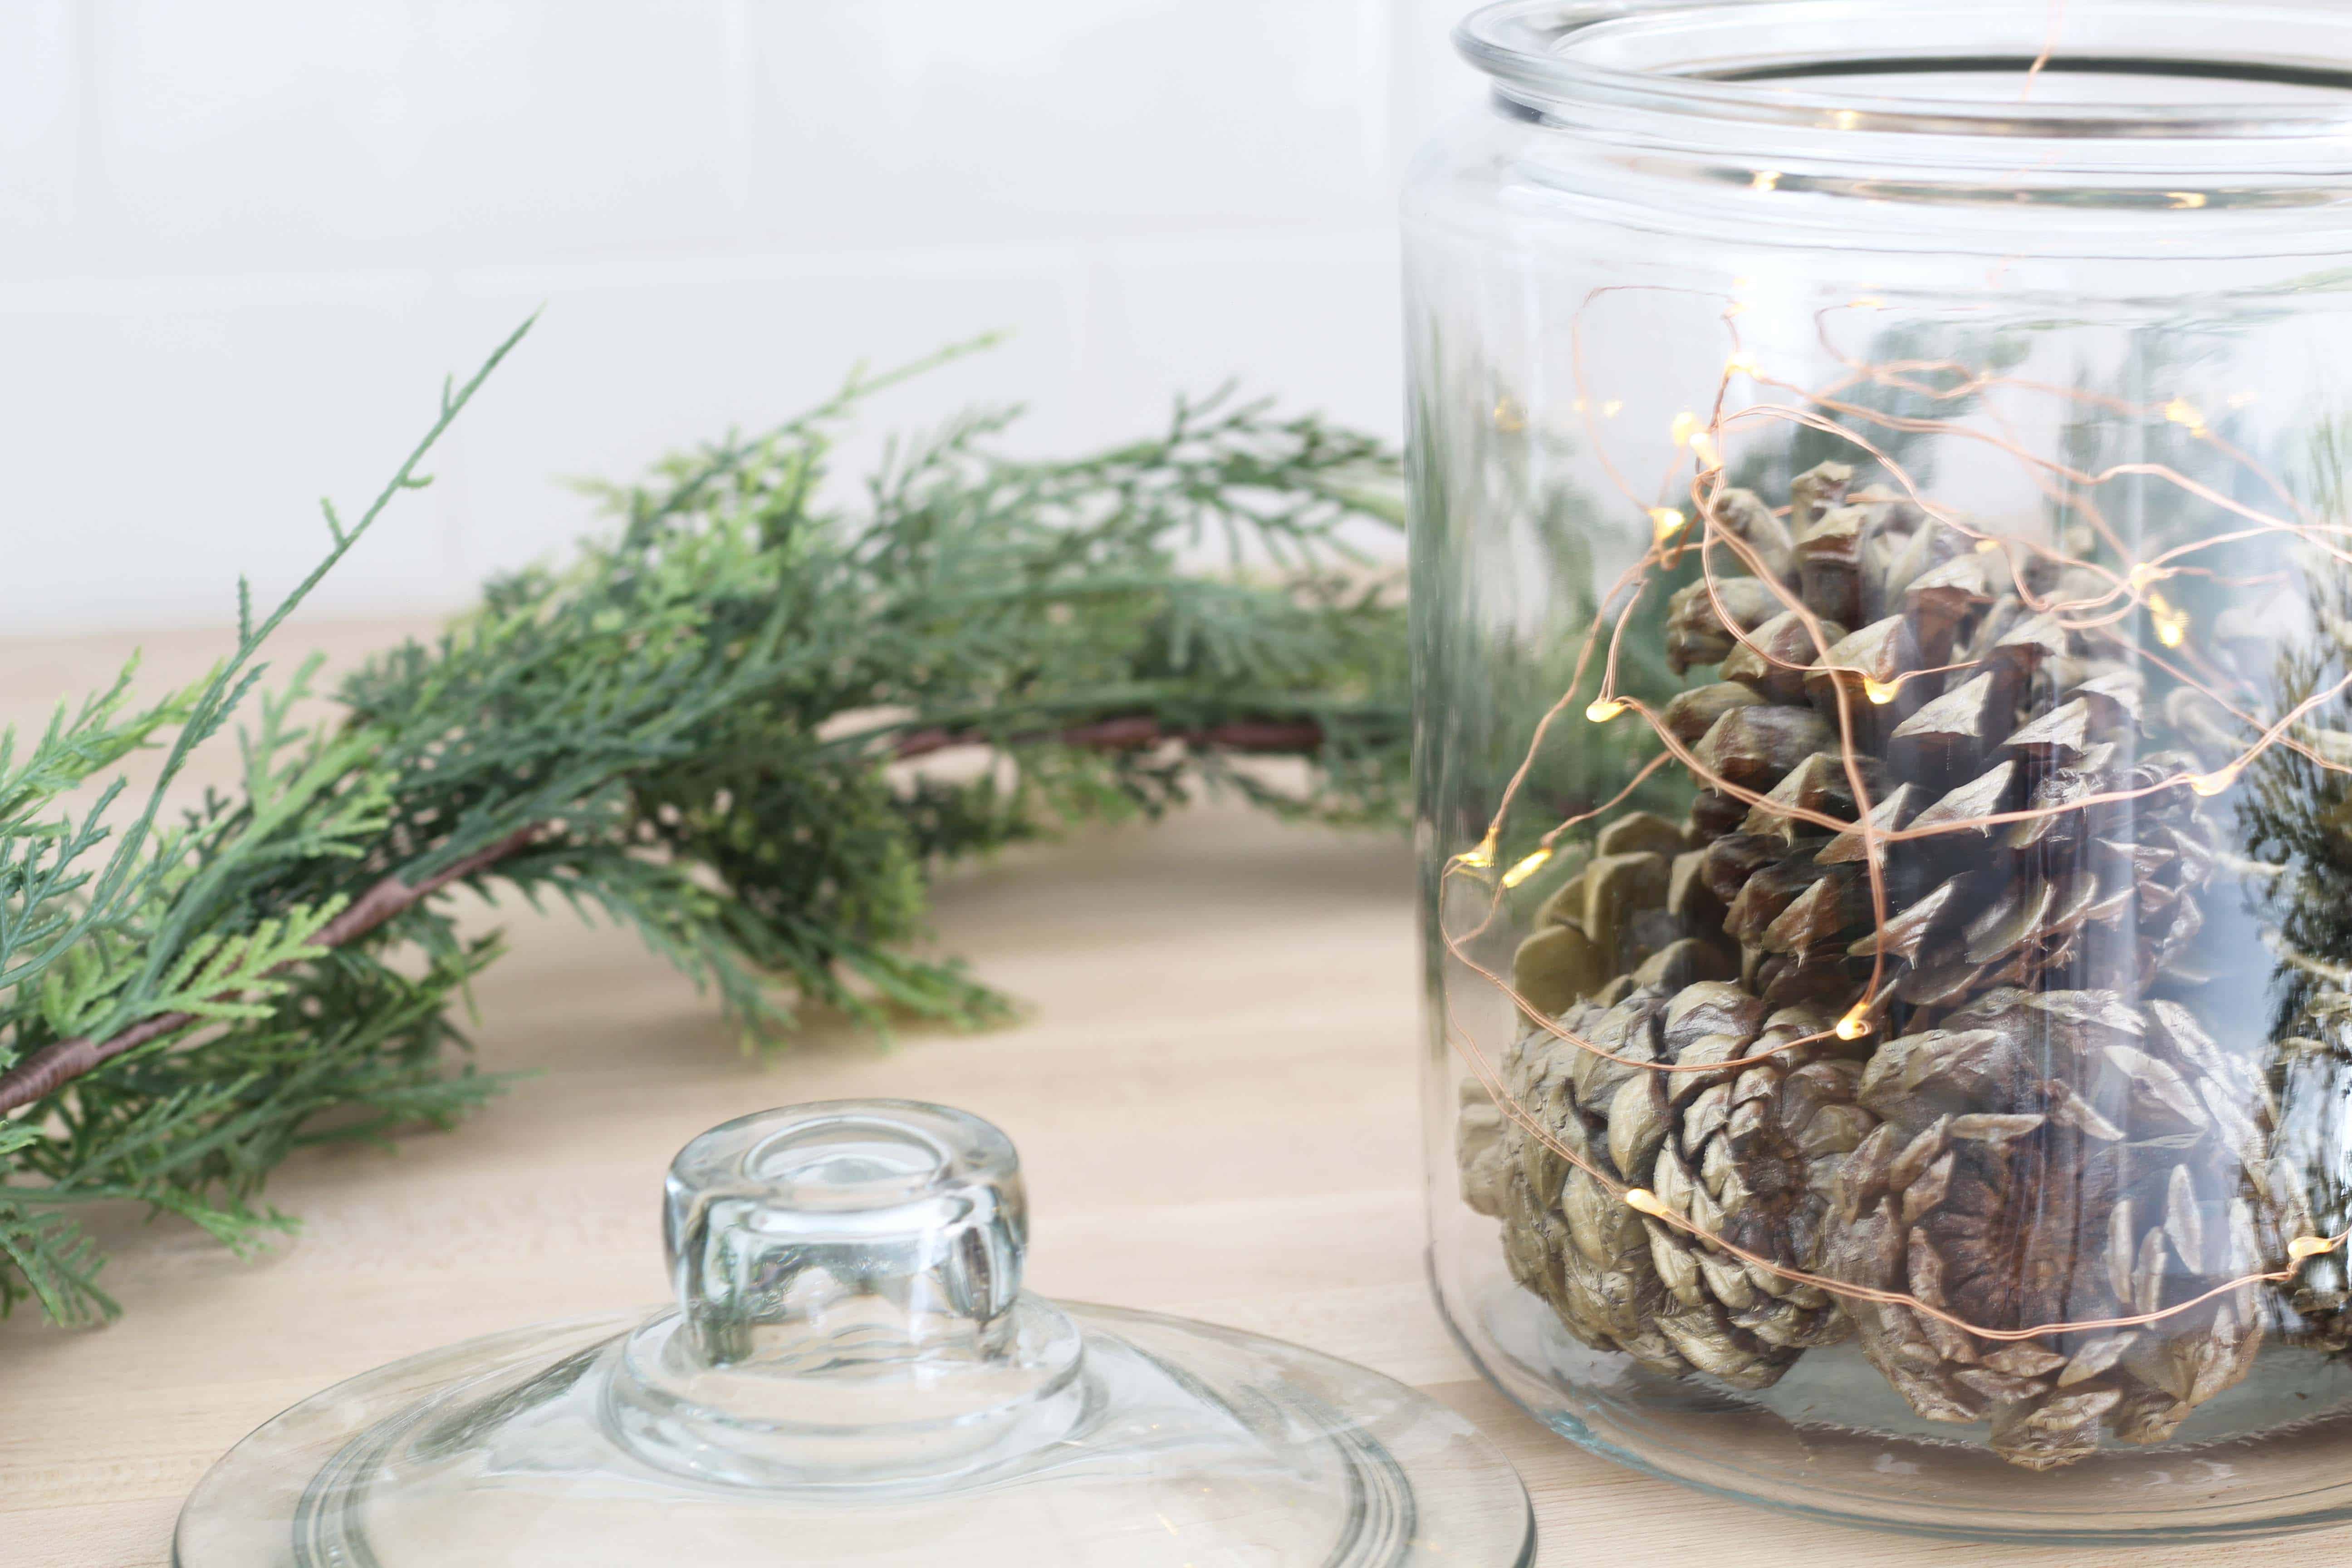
1486, 846
2160, 565
1535, 862
2288, 742
2308, 534
1973, 384
2133, 586
1611, 701
1705, 490
1614, 704
1973, 381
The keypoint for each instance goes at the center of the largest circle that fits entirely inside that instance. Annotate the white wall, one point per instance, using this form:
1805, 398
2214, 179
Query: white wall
242, 240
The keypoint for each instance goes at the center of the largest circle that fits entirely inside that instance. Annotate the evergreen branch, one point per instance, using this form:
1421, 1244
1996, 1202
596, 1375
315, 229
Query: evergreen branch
49, 1068
53, 1066
694, 729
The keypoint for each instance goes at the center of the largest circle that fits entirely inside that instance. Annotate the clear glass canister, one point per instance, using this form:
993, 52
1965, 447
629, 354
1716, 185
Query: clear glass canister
1883, 597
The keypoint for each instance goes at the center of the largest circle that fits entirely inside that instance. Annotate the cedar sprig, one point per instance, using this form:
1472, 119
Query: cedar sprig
706, 728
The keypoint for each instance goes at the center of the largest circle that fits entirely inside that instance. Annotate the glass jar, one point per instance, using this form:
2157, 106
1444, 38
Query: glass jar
1882, 613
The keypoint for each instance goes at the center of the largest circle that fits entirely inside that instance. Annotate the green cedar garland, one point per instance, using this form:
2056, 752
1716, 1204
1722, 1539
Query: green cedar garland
691, 729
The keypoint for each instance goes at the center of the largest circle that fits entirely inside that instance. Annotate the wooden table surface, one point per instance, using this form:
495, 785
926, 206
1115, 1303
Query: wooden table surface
1211, 1089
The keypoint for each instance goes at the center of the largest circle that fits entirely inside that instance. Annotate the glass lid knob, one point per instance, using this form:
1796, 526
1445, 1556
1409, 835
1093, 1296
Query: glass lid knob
898, 1223
849, 1280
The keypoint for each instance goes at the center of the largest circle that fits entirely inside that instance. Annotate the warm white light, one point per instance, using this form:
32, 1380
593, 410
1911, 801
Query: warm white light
2214, 783
1525, 869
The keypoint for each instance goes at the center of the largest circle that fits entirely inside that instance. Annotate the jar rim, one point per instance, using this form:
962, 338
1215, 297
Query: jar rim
1685, 59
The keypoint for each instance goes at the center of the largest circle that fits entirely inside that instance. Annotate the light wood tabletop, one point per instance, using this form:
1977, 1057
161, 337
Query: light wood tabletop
1211, 1087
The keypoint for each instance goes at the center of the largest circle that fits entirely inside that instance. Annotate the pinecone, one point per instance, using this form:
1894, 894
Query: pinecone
2055, 1157
2033, 716
1748, 1154
2048, 1153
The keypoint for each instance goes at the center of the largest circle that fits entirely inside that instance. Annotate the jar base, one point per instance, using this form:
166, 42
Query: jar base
1832, 1442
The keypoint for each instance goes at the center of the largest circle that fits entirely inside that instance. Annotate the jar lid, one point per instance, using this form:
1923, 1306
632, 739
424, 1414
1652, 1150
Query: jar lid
853, 1375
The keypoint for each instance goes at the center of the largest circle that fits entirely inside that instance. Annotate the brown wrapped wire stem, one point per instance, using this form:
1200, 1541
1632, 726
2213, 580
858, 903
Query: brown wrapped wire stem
55, 1065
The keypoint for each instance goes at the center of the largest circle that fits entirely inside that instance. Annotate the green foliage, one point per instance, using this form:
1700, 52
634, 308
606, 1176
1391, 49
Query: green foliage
699, 728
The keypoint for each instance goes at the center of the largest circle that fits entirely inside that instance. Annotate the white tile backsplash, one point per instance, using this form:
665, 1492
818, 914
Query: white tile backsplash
40, 103
1309, 315
287, 133
937, 119
634, 360
162, 437
241, 240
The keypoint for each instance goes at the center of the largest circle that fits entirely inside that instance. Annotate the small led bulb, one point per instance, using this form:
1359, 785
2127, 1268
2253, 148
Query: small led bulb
1604, 709
1525, 869
2214, 783
1855, 1024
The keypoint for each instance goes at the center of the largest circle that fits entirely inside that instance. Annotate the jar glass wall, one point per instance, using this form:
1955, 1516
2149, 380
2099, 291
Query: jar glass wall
1882, 607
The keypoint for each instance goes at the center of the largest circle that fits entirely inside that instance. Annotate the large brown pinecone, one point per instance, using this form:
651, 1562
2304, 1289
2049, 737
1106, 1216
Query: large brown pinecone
2034, 716
1991, 934
2037, 716
1748, 1154
2059, 1157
